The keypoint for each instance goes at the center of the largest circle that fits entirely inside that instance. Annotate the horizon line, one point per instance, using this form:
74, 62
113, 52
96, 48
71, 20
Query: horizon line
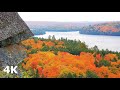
72, 21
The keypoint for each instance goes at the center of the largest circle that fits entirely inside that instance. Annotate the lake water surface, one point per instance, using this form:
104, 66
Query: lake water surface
103, 42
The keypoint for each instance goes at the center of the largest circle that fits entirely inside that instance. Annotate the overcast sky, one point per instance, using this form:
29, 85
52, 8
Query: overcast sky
70, 16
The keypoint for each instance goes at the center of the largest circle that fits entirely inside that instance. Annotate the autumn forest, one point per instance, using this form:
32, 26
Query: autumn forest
51, 58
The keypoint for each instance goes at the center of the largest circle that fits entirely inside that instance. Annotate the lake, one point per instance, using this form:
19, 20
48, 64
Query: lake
103, 42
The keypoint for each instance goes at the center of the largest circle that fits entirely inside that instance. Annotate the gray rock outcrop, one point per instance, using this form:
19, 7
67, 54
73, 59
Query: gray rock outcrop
12, 30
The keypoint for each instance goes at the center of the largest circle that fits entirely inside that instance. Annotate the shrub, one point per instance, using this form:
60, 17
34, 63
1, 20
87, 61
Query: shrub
45, 48
33, 51
43, 44
114, 60
68, 75
36, 39
30, 74
96, 64
104, 63
91, 74
6, 75
118, 55
28, 47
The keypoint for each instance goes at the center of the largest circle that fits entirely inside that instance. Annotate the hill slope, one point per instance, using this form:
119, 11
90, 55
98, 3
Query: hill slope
108, 28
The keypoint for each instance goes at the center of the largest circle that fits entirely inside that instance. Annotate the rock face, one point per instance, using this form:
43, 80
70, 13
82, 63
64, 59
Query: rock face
12, 30
11, 55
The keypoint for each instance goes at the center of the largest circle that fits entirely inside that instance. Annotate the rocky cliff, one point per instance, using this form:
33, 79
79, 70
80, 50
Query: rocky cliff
12, 30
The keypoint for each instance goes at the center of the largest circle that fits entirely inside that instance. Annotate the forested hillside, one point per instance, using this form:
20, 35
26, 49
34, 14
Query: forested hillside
108, 28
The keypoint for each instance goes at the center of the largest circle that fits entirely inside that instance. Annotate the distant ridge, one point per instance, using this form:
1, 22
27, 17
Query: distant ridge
107, 28
92, 28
